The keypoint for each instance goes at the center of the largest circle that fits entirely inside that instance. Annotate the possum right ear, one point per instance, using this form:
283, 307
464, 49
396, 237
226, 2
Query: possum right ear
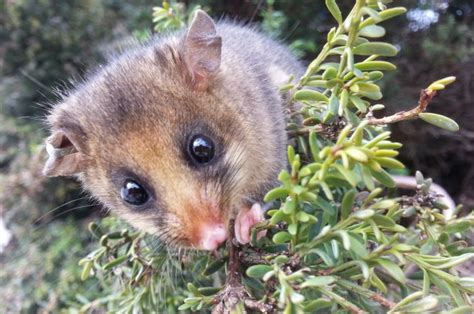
65, 155
202, 50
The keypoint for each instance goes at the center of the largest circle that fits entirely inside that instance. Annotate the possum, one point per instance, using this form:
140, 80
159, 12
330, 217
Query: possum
181, 135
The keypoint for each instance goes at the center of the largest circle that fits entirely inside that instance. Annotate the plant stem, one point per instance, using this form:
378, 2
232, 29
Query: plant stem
366, 293
425, 98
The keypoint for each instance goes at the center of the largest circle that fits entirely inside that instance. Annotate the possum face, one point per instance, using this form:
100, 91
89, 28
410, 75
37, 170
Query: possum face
156, 138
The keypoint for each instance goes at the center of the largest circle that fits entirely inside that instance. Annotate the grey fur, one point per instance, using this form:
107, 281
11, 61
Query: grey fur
136, 112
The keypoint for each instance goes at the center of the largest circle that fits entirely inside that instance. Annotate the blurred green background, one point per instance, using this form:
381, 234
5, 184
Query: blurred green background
46, 45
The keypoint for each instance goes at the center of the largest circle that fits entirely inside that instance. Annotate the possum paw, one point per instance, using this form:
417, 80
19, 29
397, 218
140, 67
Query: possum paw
245, 220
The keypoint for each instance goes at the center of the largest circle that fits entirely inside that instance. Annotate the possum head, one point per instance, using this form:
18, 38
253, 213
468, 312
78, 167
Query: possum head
160, 138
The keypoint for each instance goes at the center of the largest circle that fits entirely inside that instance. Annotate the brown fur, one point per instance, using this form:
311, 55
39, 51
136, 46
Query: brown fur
133, 119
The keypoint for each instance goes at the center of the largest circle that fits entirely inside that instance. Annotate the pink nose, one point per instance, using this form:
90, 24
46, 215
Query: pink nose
212, 235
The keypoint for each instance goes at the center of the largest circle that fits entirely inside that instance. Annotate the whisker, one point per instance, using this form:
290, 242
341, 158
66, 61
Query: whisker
57, 208
65, 212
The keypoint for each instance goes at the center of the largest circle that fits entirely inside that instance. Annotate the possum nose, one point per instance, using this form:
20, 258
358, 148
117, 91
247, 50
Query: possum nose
212, 236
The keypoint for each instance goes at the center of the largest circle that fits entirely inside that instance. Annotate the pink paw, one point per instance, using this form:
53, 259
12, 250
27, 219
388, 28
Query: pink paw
245, 220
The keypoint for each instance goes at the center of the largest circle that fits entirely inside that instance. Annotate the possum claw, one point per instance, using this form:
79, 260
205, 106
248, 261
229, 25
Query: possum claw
245, 220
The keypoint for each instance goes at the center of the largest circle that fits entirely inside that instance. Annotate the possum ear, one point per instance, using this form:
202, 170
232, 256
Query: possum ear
202, 50
65, 156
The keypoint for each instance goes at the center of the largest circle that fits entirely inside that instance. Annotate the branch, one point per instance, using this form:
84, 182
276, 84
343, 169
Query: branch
234, 292
426, 96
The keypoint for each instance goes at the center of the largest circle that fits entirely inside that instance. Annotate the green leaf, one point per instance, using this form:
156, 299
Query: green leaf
384, 178
440, 121
459, 226
350, 62
348, 175
435, 87
368, 88
356, 154
346, 241
383, 204
207, 291
281, 237
375, 76
310, 95
367, 178
446, 81
372, 31
313, 146
454, 261
278, 216
426, 282
293, 229
358, 246
383, 221
347, 204
375, 48
319, 281
466, 309
115, 262
296, 298
86, 270
317, 83
302, 216
185, 306
375, 65
276, 193
214, 266
327, 190
318, 304
363, 214
393, 269
324, 256
281, 259
389, 145
329, 74
384, 15
335, 11
258, 271
425, 305
359, 103
192, 288
343, 103
290, 205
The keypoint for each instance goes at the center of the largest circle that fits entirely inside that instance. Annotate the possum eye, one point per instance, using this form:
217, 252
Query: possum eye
201, 148
133, 193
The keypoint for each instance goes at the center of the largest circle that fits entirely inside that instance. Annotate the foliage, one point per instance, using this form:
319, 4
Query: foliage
337, 238
49, 43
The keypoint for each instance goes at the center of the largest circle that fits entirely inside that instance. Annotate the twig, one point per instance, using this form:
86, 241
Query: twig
234, 277
425, 98
234, 292
306, 130
366, 292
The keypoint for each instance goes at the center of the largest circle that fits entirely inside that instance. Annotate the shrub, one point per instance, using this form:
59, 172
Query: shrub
338, 237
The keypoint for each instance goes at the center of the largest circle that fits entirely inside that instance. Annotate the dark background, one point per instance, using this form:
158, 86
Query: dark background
46, 45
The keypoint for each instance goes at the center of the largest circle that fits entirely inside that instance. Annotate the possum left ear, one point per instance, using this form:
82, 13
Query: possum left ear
64, 155
202, 50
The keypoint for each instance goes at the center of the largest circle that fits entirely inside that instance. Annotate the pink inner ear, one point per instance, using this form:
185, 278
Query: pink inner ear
65, 142
59, 139
202, 50
64, 158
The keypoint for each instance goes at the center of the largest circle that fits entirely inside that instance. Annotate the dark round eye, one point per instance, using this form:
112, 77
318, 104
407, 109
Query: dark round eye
201, 148
133, 193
